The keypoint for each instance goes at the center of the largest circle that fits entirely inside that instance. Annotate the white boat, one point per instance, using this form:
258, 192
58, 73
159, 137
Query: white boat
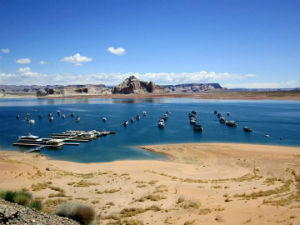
51, 118
219, 115
58, 112
72, 114
161, 124
138, 117
87, 134
168, 112
31, 139
223, 120
166, 115
198, 127
161, 120
77, 119
192, 121
231, 123
55, 143
27, 118
31, 121
49, 114
267, 136
28, 114
131, 119
125, 123
228, 113
104, 119
248, 129
63, 116
144, 113
17, 116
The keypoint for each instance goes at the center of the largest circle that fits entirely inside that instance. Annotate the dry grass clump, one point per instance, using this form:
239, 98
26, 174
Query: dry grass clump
180, 200
40, 186
219, 218
126, 222
190, 222
161, 189
141, 186
204, 211
109, 191
152, 182
191, 205
284, 188
151, 197
84, 183
77, 211
270, 181
54, 202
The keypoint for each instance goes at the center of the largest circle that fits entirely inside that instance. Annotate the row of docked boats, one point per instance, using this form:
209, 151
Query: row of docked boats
161, 121
230, 123
193, 120
138, 117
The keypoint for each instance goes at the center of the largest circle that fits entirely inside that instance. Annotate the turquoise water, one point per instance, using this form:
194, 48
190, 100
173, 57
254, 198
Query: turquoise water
275, 118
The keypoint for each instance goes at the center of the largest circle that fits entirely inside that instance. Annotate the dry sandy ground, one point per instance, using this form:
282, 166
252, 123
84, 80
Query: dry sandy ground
202, 184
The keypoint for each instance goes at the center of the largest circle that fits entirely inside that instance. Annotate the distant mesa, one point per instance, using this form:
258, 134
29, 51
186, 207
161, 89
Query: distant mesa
192, 87
133, 85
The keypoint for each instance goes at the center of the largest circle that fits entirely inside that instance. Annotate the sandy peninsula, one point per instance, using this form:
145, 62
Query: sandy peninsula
202, 184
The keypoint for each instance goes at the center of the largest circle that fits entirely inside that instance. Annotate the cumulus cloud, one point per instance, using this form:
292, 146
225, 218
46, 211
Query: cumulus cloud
5, 50
23, 61
77, 59
43, 62
116, 78
288, 84
116, 51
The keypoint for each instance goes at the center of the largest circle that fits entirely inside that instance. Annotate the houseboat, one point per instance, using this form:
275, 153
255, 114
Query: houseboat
30, 139
231, 123
248, 129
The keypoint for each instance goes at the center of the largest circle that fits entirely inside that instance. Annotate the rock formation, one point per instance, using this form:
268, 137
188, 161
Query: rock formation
133, 85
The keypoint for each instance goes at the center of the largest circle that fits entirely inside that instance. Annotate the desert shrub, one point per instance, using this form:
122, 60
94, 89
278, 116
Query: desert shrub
19, 197
77, 211
35, 204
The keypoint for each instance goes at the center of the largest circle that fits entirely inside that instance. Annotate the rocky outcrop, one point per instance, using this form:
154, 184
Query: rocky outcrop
133, 85
194, 87
11, 213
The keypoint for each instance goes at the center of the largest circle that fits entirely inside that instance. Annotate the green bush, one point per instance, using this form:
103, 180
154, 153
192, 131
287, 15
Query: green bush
77, 211
35, 204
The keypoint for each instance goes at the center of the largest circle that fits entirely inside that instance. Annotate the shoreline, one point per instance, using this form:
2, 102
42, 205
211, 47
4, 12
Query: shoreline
203, 182
218, 95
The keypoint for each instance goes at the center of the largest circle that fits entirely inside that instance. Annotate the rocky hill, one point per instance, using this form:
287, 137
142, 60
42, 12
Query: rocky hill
193, 87
133, 85
11, 213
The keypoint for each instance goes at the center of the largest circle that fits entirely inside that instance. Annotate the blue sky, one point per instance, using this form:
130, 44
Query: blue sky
237, 43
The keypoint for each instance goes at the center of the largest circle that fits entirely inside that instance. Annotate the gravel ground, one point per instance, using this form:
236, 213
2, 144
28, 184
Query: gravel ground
11, 213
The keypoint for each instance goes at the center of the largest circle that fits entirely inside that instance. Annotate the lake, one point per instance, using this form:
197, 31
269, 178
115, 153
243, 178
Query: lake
278, 119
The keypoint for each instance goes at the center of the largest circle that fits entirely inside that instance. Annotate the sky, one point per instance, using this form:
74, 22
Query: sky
237, 43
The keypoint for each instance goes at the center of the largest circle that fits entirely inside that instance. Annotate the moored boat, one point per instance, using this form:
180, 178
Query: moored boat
192, 121
138, 117
72, 114
131, 119
40, 116
49, 114
51, 118
231, 123
161, 124
63, 116
31, 122
144, 113
198, 127
219, 115
17, 116
223, 120
228, 113
168, 112
55, 143
77, 119
27, 118
125, 123
30, 139
104, 119
248, 129
58, 112
215, 112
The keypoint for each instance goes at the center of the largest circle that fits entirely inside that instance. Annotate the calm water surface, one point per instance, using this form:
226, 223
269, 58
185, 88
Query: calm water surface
275, 118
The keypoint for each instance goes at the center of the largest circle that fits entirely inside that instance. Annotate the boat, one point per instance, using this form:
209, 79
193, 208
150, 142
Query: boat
63, 116
215, 112
58, 112
161, 120
40, 116
55, 143
168, 112
49, 114
28, 114
219, 115
144, 113
51, 118
166, 115
131, 119
31, 122
87, 135
267, 136
77, 119
17, 116
104, 119
192, 121
231, 123
27, 118
125, 123
223, 120
198, 127
248, 129
165, 118
72, 114
30, 139
194, 112
191, 116
161, 124
228, 113
138, 117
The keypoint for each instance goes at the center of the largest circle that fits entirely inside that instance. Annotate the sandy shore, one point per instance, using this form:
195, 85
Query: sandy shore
202, 184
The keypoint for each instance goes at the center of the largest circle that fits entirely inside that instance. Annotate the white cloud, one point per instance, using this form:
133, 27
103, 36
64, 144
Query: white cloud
43, 62
23, 61
116, 51
78, 64
5, 50
77, 58
23, 70
289, 84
